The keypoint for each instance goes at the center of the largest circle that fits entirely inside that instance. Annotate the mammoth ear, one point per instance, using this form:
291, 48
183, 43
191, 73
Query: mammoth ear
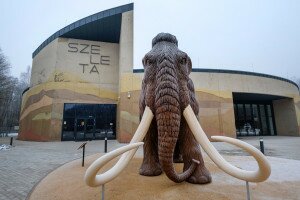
143, 61
147, 60
189, 64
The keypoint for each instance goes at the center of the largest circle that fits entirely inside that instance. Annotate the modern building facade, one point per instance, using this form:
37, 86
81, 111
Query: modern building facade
84, 86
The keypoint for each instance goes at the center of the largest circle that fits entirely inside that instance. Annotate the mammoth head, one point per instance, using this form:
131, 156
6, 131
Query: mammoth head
165, 46
167, 72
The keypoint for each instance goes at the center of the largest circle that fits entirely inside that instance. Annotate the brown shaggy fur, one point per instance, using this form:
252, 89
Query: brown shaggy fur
167, 90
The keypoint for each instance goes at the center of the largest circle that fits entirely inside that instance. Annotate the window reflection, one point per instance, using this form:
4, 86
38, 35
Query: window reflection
254, 119
89, 121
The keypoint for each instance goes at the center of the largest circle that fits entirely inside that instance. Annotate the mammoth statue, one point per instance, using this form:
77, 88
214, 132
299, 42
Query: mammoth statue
169, 126
167, 90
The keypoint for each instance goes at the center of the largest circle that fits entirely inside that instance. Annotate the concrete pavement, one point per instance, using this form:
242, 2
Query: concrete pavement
24, 165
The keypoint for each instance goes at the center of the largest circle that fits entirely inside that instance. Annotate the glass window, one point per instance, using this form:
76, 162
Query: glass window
85, 110
248, 112
235, 111
89, 121
68, 129
68, 124
254, 119
254, 110
69, 110
263, 119
270, 118
240, 111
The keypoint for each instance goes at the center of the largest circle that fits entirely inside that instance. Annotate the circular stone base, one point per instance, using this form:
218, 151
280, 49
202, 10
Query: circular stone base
66, 182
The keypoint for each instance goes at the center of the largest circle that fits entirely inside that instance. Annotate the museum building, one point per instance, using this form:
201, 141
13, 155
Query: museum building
84, 86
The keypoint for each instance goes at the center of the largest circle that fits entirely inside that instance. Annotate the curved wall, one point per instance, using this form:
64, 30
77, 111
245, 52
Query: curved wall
243, 83
73, 60
70, 70
67, 71
214, 92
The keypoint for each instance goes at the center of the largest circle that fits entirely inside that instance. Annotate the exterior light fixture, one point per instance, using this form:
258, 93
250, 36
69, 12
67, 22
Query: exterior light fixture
128, 95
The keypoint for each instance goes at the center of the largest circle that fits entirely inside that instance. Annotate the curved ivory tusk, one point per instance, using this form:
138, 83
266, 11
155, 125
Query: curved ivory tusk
260, 175
92, 179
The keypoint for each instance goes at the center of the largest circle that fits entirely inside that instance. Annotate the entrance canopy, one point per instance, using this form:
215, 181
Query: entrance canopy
253, 97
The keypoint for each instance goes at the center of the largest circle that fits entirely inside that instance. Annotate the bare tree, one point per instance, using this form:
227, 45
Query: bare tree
23, 84
7, 85
11, 90
25, 77
4, 77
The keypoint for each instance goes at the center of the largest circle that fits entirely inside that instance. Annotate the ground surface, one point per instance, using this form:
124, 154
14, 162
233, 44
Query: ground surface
24, 165
66, 182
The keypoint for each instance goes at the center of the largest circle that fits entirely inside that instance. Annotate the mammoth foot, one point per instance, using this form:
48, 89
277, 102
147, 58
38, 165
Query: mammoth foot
200, 176
150, 169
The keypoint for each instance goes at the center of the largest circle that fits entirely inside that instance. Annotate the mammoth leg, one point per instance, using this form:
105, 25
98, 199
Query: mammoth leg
190, 150
150, 165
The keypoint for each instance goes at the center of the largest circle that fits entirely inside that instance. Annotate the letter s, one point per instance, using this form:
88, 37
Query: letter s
73, 47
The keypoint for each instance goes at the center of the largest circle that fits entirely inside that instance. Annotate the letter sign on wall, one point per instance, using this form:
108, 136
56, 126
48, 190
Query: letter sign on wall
96, 58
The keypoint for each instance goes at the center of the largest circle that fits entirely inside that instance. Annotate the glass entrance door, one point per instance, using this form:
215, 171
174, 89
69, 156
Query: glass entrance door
89, 121
84, 129
80, 129
89, 129
254, 119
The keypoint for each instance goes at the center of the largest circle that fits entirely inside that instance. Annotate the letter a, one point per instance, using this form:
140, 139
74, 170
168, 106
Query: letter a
94, 69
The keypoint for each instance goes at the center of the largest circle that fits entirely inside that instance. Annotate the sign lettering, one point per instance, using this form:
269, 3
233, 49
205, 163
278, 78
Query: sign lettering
96, 58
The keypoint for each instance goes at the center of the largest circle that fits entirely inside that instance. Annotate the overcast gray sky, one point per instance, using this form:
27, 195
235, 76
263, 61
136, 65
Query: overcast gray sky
259, 36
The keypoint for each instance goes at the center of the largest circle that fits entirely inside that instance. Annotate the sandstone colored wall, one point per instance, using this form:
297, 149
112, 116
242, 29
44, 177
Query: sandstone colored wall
286, 117
43, 64
58, 77
73, 60
216, 112
214, 94
225, 82
286, 111
125, 110
42, 107
297, 108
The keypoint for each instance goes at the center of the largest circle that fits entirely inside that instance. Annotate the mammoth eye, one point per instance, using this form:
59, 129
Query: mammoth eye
183, 61
148, 62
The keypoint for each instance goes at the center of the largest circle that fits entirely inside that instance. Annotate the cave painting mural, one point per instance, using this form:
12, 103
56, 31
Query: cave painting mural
169, 126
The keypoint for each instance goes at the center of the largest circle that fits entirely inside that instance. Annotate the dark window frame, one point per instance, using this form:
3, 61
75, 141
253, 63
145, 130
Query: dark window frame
257, 103
91, 113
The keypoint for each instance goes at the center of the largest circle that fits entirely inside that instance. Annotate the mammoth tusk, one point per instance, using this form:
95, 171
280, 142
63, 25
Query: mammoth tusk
260, 175
92, 179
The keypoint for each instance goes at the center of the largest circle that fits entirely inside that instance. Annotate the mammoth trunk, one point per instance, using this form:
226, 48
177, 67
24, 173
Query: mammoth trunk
168, 117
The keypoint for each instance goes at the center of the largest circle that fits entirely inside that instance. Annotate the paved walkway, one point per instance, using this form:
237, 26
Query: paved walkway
24, 165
